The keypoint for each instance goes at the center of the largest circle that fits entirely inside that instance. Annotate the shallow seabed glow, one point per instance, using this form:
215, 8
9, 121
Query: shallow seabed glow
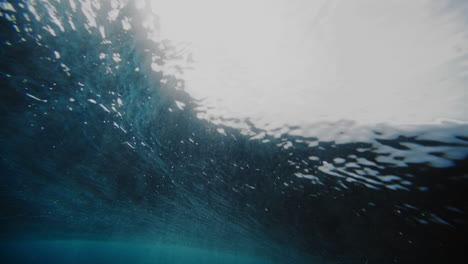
93, 252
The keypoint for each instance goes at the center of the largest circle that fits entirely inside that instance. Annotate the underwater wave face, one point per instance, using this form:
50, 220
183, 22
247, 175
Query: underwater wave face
100, 141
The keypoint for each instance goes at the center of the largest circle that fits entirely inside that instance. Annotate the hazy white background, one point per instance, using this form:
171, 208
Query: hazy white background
303, 61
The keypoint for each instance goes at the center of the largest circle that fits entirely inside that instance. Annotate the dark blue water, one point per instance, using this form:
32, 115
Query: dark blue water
100, 163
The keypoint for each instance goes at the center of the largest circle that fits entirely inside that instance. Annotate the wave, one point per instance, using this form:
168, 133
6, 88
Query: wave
100, 141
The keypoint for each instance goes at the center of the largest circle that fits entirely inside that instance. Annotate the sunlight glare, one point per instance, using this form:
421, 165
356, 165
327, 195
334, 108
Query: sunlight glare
296, 62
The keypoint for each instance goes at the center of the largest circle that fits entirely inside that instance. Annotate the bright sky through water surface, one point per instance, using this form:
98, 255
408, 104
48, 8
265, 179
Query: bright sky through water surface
299, 62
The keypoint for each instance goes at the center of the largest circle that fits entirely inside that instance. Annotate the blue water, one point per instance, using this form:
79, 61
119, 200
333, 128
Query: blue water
100, 163
76, 251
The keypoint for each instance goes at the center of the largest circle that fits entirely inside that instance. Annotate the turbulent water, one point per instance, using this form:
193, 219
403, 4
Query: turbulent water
104, 158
